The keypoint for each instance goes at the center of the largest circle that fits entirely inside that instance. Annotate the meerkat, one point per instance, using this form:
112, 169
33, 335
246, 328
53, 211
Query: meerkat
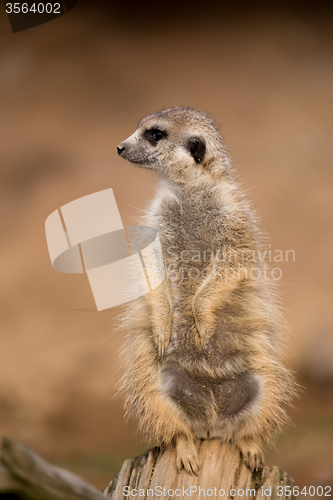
203, 353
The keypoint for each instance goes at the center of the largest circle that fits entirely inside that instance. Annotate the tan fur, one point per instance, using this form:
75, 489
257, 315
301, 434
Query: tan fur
230, 320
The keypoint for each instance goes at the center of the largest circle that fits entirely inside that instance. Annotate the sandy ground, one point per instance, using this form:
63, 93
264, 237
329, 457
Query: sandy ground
70, 91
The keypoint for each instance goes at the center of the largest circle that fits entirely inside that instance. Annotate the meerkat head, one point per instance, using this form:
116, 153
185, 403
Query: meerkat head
178, 143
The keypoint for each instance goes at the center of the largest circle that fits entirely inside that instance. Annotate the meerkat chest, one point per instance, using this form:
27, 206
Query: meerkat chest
191, 232
194, 223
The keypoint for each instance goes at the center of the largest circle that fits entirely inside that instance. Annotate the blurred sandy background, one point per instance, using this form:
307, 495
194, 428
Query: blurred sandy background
70, 90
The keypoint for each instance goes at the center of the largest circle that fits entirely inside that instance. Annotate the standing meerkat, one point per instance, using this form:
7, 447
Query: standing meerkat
203, 351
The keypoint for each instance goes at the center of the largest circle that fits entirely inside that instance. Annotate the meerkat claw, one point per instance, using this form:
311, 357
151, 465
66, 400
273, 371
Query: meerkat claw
205, 342
187, 456
206, 346
161, 346
205, 337
189, 465
252, 455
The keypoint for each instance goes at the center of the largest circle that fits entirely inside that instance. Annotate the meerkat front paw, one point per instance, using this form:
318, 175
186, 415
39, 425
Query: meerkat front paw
161, 346
204, 329
186, 455
252, 454
205, 335
162, 340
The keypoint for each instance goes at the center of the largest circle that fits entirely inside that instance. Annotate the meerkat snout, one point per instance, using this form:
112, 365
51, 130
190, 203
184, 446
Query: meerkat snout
120, 149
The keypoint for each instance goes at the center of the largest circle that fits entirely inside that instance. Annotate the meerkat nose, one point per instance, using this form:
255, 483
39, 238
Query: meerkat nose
120, 149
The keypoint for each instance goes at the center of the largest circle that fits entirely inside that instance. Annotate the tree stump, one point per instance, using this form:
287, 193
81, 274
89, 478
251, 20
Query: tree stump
152, 475
223, 474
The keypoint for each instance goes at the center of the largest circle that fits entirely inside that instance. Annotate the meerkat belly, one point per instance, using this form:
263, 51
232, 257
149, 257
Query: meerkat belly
228, 352
207, 401
207, 390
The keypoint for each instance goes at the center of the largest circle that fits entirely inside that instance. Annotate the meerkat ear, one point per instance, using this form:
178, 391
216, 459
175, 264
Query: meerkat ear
197, 148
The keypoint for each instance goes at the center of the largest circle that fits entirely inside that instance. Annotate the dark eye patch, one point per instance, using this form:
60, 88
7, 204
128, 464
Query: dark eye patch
197, 148
153, 135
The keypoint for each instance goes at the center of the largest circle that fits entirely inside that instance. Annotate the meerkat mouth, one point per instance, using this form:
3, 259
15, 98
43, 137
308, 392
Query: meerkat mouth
144, 163
138, 163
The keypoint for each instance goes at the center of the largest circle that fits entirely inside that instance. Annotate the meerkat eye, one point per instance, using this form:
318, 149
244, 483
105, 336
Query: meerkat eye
157, 134
153, 135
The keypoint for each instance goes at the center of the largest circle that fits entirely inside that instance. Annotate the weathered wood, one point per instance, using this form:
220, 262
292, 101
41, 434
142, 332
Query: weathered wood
152, 475
23, 471
223, 474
